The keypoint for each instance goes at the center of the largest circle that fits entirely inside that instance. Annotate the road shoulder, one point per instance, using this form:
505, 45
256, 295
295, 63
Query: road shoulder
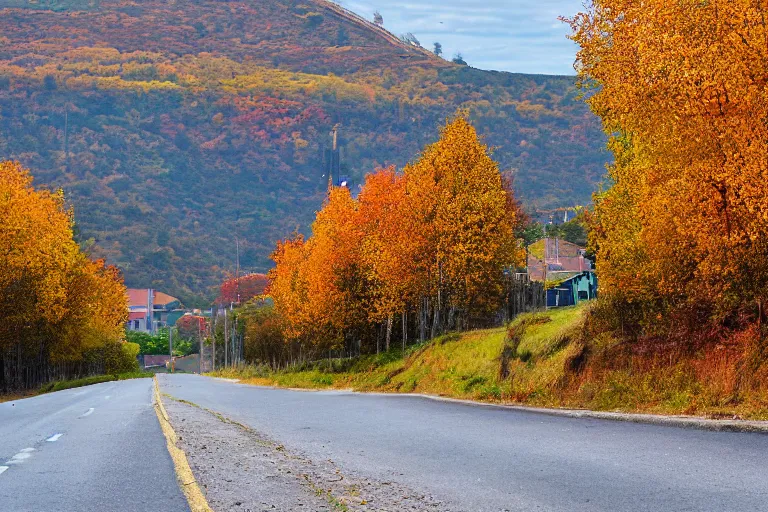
240, 469
184, 474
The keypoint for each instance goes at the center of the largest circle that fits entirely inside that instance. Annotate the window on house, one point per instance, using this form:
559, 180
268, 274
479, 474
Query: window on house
136, 325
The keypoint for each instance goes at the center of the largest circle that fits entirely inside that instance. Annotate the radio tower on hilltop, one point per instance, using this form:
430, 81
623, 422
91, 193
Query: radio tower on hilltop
333, 158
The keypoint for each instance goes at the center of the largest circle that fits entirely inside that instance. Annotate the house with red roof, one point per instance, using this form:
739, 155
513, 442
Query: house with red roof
150, 310
555, 259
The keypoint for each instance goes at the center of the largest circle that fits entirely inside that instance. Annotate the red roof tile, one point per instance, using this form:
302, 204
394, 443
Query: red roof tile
138, 297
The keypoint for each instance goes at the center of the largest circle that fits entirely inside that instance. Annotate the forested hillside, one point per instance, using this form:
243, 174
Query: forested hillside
175, 127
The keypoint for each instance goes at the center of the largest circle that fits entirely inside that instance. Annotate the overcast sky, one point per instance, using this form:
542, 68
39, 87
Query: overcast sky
522, 36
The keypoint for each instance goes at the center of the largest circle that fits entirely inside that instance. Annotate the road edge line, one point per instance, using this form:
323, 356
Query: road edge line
675, 421
681, 422
186, 478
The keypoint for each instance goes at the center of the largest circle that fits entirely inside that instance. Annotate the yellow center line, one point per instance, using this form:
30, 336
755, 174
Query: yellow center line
187, 482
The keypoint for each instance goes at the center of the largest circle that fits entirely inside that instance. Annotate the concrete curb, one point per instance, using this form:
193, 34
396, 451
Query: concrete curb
690, 422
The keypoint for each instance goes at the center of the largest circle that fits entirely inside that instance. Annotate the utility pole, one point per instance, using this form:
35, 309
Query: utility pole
150, 311
170, 349
213, 337
226, 338
200, 348
237, 268
234, 342
546, 254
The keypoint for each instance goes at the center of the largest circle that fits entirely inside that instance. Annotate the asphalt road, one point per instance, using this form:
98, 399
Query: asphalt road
97, 448
491, 459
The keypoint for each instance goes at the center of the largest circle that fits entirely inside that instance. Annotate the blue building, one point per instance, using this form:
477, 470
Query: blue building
573, 290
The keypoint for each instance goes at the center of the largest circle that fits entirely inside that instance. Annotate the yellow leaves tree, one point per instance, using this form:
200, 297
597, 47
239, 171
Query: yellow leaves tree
461, 205
36, 242
288, 286
55, 303
681, 86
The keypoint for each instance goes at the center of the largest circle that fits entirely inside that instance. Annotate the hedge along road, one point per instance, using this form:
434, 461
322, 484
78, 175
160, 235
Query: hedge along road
94, 448
490, 459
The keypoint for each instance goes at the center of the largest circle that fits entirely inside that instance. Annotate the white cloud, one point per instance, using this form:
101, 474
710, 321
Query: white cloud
521, 36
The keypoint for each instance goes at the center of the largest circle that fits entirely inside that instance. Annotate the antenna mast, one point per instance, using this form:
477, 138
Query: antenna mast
334, 163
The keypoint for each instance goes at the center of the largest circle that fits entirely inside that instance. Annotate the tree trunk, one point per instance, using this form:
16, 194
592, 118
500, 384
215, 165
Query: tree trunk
436, 327
389, 330
423, 320
451, 318
405, 329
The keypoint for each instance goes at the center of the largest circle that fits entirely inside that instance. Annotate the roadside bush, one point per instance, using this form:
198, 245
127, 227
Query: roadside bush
149, 344
121, 358
264, 338
612, 313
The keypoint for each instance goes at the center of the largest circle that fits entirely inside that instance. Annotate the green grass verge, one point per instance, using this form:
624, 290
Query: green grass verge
542, 360
462, 365
95, 379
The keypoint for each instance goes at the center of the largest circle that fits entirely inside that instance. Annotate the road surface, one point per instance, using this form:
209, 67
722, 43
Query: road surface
97, 448
493, 459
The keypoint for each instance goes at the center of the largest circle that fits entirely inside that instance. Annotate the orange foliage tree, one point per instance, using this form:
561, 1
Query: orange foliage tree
56, 305
433, 241
391, 249
682, 88
243, 289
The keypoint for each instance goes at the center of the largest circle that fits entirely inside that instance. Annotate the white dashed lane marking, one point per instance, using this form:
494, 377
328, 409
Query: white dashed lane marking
18, 458
54, 438
27, 450
3, 469
90, 411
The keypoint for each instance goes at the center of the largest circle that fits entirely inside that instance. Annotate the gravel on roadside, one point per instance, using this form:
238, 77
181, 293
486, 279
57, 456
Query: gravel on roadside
241, 470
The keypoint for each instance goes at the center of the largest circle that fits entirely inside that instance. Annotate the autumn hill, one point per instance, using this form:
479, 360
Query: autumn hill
175, 127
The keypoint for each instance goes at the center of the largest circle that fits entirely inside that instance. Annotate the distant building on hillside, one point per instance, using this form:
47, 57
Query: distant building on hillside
551, 256
567, 273
150, 310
